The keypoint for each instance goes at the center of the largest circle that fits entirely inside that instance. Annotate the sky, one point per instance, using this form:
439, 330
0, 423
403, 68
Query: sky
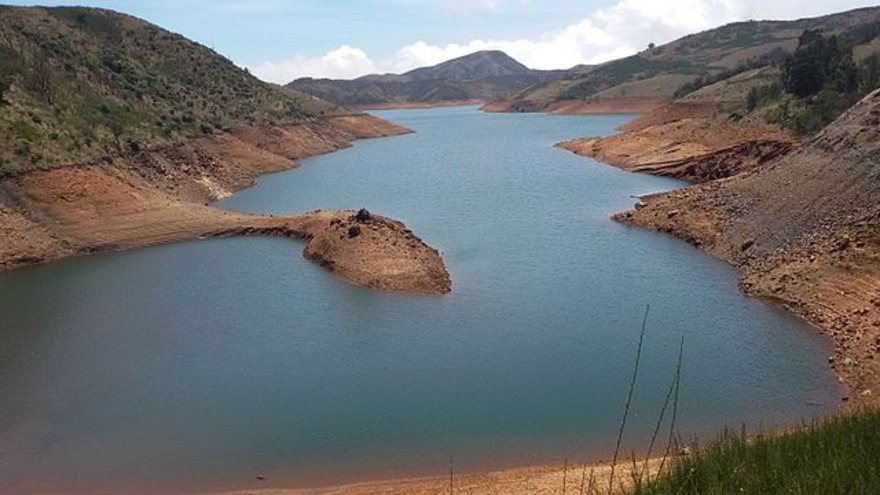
280, 40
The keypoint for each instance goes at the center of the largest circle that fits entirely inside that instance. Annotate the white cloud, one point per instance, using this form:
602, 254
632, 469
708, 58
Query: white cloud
343, 63
621, 29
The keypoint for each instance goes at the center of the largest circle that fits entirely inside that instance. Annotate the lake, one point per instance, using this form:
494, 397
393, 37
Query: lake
199, 366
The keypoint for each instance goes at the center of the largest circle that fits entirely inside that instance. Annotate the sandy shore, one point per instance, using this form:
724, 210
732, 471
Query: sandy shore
162, 196
551, 479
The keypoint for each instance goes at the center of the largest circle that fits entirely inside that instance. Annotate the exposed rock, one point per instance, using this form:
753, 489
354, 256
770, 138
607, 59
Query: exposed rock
693, 149
363, 216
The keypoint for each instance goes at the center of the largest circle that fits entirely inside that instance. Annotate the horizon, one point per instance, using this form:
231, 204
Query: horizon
282, 41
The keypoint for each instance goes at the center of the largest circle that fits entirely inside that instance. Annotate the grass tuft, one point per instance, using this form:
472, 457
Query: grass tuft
837, 455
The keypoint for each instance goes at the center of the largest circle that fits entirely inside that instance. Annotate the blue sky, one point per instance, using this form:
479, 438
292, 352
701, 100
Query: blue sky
282, 40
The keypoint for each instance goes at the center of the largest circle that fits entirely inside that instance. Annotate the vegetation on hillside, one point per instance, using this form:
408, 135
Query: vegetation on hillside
635, 67
818, 82
769, 59
688, 64
834, 456
78, 84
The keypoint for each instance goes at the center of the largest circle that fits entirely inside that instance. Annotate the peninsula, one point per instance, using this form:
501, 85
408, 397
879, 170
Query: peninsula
129, 149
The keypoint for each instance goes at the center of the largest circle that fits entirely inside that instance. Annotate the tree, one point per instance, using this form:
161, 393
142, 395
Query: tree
651, 46
817, 63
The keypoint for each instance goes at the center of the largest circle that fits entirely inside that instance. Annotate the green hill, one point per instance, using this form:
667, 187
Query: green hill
79, 84
696, 61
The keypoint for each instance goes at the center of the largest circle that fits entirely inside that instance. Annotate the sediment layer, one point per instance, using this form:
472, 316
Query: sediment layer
696, 149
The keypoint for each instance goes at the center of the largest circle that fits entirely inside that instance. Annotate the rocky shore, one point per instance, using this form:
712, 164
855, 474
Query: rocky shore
803, 226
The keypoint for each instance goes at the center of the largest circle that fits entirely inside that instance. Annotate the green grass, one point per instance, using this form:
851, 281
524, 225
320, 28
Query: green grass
837, 455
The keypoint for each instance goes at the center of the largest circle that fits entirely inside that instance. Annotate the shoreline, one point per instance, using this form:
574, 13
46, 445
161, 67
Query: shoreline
608, 106
418, 105
541, 478
546, 478
529, 480
815, 280
163, 196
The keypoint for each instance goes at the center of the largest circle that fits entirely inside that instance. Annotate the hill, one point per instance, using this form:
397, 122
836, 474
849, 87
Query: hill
482, 75
473, 67
116, 134
804, 230
692, 62
77, 84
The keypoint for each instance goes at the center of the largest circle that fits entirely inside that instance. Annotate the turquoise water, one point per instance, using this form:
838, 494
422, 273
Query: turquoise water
198, 366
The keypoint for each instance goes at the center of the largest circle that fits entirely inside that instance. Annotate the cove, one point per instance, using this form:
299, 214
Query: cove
198, 366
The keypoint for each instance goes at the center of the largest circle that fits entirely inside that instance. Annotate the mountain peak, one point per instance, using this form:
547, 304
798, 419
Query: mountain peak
477, 65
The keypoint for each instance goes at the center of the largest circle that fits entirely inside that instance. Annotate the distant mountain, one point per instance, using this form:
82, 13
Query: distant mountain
473, 67
695, 60
482, 75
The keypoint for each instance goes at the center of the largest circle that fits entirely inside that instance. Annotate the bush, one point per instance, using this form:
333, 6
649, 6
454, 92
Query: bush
760, 95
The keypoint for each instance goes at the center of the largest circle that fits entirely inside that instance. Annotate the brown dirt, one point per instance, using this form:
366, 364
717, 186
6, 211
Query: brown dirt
671, 112
25, 241
695, 149
805, 231
160, 196
548, 480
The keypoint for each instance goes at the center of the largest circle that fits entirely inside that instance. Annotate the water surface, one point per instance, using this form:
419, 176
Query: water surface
200, 365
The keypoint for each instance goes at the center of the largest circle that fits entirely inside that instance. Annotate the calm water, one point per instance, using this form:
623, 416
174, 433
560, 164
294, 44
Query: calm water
198, 366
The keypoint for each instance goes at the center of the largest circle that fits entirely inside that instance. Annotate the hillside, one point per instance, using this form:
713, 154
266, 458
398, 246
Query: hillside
78, 83
804, 230
696, 60
116, 134
482, 76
